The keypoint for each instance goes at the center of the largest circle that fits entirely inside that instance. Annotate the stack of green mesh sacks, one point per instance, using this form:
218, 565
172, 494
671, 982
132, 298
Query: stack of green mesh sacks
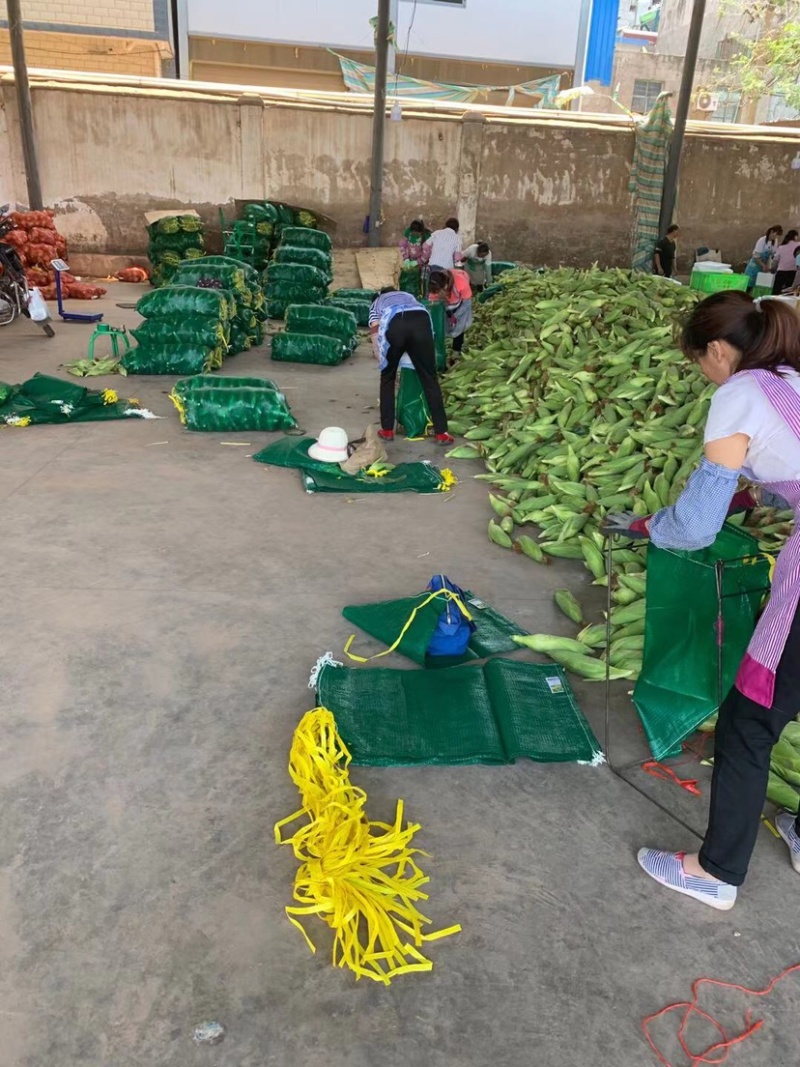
242, 284
300, 272
186, 331
172, 240
316, 334
359, 301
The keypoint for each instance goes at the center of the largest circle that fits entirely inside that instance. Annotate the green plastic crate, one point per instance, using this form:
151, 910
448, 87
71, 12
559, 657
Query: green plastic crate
761, 290
709, 281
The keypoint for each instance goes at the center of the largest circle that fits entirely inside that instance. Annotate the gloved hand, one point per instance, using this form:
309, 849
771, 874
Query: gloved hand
627, 524
744, 500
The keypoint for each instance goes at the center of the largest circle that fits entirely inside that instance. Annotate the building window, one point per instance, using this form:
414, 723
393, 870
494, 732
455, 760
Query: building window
728, 48
645, 94
780, 111
728, 107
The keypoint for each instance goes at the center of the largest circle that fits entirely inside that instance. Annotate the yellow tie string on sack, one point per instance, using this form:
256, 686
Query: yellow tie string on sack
358, 876
110, 396
446, 593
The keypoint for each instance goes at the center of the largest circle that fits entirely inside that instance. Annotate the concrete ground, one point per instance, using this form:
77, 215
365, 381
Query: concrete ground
163, 600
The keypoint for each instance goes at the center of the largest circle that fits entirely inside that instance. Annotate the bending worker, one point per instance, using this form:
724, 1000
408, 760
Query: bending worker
399, 324
752, 352
452, 286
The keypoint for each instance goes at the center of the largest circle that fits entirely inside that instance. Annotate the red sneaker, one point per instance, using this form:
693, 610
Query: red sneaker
445, 439
386, 435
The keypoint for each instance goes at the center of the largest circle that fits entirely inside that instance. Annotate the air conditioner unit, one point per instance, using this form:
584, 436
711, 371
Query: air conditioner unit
707, 102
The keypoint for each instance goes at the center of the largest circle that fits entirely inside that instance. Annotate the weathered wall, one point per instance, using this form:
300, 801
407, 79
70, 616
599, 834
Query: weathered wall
544, 190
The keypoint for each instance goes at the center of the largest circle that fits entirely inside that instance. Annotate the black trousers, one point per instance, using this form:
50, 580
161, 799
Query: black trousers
412, 332
783, 279
745, 734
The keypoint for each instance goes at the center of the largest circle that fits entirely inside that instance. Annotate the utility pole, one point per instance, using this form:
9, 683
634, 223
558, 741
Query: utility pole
394, 16
670, 192
378, 123
24, 105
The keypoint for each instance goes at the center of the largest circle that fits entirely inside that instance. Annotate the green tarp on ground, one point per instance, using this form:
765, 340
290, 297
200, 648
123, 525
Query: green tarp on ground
44, 399
320, 477
678, 687
386, 619
497, 713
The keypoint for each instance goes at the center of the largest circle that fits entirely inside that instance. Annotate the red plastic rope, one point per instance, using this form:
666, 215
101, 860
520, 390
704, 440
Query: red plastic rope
690, 1008
658, 770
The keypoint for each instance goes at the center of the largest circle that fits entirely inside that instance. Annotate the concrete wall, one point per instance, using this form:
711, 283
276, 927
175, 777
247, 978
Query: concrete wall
542, 189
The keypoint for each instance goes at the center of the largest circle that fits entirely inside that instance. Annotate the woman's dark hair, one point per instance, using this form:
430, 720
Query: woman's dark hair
483, 248
387, 289
790, 235
764, 332
451, 224
673, 228
438, 281
778, 230
417, 226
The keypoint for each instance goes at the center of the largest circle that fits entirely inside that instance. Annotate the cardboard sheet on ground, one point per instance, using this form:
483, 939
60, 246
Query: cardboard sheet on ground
496, 713
44, 399
385, 621
319, 477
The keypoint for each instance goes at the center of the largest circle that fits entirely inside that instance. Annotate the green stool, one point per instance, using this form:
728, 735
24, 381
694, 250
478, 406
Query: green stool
115, 333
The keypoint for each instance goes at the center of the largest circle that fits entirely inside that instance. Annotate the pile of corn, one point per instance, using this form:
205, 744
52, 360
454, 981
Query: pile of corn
574, 395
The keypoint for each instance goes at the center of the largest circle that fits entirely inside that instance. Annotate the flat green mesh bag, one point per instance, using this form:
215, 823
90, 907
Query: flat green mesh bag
438, 318
293, 452
170, 359
307, 348
406, 626
185, 300
497, 713
313, 257
46, 400
211, 403
301, 237
356, 294
411, 406
358, 308
299, 275
335, 322
678, 685
178, 331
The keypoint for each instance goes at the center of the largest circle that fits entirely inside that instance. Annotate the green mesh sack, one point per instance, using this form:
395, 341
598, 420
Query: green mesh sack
355, 294
314, 257
284, 212
293, 452
175, 242
305, 238
229, 274
261, 213
307, 348
439, 319
278, 306
306, 218
219, 404
169, 359
185, 300
359, 308
410, 281
411, 405
500, 267
297, 274
178, 331
161, 275
324, 319
44, 399
678, 686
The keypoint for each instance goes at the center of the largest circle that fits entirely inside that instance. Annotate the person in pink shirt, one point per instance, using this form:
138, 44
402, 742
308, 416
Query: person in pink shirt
452, 286
785, 266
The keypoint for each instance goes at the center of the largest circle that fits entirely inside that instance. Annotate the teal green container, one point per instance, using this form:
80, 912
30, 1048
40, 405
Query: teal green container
436, 308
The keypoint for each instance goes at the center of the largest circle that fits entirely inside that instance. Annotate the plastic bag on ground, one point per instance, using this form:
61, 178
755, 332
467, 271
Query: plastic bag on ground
411, 406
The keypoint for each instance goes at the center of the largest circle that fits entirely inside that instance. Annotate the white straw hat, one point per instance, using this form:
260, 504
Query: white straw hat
330, 446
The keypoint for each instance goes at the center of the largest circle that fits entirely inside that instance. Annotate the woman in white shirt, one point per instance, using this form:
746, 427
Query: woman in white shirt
761, 259
445, 246
751, 350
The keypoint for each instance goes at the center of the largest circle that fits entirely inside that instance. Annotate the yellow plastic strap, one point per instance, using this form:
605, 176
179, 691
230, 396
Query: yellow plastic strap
110, 396
360, 877
448, 594
176, 400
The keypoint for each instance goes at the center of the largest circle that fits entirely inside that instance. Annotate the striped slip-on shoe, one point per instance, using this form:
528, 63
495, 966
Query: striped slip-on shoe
667, 869
784, 824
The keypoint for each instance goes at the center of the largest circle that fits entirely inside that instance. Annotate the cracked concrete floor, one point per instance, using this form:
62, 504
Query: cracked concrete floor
163, 600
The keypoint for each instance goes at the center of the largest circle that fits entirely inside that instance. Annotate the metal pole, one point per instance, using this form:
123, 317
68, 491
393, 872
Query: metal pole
378, 124
24, 104
681, 112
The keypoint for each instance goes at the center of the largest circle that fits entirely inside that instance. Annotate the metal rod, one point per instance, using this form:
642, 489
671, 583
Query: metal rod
670, 191
609, 554
378, 124
24, 105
